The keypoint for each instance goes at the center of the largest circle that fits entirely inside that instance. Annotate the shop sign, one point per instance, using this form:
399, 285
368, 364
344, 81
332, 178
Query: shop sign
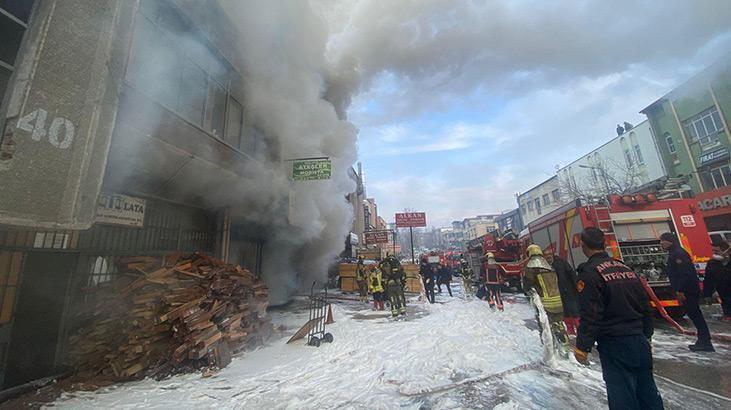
120, 210
721, 201
411, 220
311, 169
688, 221
713, 156
374, 237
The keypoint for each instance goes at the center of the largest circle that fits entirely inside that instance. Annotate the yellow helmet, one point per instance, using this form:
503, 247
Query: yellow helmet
534, 250
489, 255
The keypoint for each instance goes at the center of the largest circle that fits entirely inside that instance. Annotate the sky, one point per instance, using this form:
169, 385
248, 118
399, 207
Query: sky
460, 105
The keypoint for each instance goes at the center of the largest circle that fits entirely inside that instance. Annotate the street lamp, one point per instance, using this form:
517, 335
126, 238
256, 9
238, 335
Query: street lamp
604, 175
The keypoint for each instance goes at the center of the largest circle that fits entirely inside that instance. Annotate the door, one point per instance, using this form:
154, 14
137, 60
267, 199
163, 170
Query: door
38, 317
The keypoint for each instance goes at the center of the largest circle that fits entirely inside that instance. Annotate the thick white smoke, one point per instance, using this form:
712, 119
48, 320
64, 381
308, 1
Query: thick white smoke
282, 47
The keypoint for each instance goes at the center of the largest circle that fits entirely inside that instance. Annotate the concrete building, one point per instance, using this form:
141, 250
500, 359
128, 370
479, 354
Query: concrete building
478, 226
356, 200
627, 163
690, 124
122, 121
510, 220
540, 200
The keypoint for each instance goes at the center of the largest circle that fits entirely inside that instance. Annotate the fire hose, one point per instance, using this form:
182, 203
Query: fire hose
661, 309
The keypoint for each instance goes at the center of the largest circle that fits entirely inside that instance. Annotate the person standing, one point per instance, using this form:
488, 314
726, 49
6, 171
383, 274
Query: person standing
684, 280
493, 281
445, 277
616, 314
375, 287
539, 278
427, 275
468, 278
395, 282
361, 279
567, 287
718, 277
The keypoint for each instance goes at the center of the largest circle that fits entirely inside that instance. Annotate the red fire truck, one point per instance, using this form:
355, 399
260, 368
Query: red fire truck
633, 224
507, 253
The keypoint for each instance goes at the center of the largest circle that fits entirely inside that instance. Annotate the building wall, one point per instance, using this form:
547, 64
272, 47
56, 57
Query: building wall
632, 159
671, 115
549, 195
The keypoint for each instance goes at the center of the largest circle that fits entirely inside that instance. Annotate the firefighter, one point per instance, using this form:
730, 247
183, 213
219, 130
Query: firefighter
444, 277
540, 278
375, 286
427, 275
395, 283
718, 277
567, 287
684, 280
493, 281
616, 314
468, 278
361, 279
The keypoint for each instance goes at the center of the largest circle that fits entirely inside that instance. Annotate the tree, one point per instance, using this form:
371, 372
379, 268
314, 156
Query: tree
602, 178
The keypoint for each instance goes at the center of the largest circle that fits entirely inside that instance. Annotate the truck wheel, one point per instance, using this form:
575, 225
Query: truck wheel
314, 341
328, 338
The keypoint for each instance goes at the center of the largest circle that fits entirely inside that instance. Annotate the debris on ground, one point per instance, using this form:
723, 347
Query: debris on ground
169, 315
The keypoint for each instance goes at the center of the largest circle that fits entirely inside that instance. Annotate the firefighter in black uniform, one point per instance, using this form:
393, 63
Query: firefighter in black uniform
684, 280
615, 312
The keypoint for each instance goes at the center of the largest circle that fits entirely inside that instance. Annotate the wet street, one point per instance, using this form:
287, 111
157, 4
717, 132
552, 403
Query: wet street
452, 354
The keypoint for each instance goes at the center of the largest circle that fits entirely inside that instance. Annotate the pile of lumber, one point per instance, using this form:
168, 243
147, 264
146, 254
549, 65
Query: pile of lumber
169, 315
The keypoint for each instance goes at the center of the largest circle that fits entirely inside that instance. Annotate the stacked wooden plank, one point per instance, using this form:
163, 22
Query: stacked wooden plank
171, 315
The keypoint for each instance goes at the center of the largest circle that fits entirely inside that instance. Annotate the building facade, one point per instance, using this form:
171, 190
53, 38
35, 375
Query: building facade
122, 137
628, 163
510, 220
690, 125
540, 200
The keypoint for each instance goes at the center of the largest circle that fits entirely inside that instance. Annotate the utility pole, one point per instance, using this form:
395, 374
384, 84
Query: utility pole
411, 234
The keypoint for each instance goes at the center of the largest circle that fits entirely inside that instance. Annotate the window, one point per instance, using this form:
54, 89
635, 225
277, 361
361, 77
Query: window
704, 127
546, 200
101, 270
14, 17
556, 195
636, 148
538, 206
717, 177
530, 206
234, 123
627, 152
522, 209
670, 143
172, 63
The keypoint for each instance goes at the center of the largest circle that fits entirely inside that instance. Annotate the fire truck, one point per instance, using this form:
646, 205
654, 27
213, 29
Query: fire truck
633, 225
507, 251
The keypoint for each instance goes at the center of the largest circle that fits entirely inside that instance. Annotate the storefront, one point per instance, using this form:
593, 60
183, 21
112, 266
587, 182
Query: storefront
716, 208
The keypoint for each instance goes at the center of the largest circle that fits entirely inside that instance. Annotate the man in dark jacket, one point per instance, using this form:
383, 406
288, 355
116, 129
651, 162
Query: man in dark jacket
429, 278
684, 280
616, 314
567, 287
718, 277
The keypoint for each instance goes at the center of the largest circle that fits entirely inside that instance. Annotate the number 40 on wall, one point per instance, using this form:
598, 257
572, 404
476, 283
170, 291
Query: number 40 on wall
60, 133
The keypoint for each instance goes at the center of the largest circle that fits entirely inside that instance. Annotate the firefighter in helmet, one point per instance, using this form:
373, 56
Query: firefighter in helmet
375, 286
539, 278
493, 281
361, 278
395, 282
468, 278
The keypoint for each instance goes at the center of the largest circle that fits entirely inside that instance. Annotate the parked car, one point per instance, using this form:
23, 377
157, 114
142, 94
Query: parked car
724, 235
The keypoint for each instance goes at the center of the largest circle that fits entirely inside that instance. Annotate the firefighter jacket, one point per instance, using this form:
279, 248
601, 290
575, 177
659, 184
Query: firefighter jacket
375, 283
493, 275
567, 286
360, 272
612, 302
540, 276
718, 278
393, 271
681, 271
466, 273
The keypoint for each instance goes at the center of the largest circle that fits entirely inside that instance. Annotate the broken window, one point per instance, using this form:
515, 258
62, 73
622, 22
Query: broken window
234, 121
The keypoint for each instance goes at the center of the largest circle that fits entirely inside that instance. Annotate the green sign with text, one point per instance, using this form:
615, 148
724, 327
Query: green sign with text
311, 169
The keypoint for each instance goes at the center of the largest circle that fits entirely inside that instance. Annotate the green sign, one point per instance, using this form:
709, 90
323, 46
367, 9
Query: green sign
311, 169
